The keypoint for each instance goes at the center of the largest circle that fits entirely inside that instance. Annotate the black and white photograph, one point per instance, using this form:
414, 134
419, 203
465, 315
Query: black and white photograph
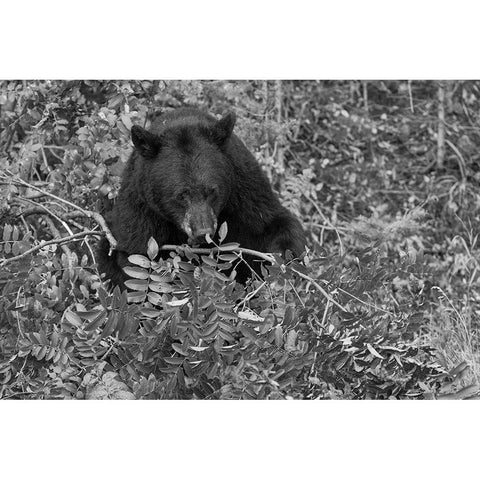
255, 239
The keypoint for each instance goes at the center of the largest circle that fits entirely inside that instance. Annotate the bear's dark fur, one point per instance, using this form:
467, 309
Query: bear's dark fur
187, 176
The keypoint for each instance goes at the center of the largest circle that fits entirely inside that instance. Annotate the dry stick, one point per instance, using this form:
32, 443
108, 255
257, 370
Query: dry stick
50, 242
87, 213
441, 125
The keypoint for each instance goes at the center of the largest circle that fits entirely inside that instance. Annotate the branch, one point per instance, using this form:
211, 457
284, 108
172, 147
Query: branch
86, 213
44, 243
205, 251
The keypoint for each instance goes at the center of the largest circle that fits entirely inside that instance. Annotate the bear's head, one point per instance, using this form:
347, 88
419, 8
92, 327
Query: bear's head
185, 172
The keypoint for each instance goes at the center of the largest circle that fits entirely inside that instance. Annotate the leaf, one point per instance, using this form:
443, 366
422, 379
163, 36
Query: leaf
7, 230
178, 303
373, 351
227, 315
139, 285
459, 369
161, 287
154, 298
222, 233
110, 325
73, 318
90, 315
152, 249
136, 297
198, 349
96, 323
139, 260
209, 261
174, 360
126, 121
278, 336
178, 348
150, 312
291, 341
250, 315
228, 247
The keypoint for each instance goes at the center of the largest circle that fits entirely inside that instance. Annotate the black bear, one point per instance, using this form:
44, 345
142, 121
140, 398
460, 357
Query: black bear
187, 175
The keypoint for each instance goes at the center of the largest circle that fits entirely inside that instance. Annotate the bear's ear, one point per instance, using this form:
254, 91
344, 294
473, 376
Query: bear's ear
145, 142
223, 128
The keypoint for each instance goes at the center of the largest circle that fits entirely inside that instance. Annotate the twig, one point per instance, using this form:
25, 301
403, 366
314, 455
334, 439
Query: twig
57, 241
319, 288
410, 97
365, 96
251, 295
42, 209
365, 303
45, 162
342, 251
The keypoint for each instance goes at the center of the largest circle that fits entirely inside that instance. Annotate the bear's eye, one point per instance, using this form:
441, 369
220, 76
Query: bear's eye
212, 192
182, 195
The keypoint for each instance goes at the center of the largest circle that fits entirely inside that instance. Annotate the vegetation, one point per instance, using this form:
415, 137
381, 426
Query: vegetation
385, 177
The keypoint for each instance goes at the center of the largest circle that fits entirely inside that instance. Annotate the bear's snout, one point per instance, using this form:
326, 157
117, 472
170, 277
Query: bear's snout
199, 221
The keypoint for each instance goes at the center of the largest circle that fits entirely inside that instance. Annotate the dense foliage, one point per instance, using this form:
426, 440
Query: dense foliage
385, 177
